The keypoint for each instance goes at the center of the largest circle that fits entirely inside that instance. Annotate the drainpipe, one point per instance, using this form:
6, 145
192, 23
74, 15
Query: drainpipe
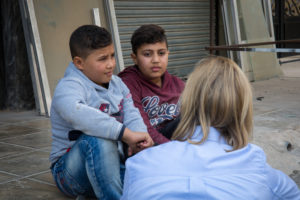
211, 25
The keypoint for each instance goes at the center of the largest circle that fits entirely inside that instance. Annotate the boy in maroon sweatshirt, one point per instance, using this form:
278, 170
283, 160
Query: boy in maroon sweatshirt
154, 91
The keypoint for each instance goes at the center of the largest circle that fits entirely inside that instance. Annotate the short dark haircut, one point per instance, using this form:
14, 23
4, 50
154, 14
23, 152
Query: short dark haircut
87, 38
147, 34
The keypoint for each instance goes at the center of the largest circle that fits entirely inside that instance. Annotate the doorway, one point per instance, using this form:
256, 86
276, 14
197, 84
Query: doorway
16, 92
286, 18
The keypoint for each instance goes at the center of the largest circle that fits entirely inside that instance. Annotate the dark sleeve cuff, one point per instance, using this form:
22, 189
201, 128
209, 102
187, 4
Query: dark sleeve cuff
121, 132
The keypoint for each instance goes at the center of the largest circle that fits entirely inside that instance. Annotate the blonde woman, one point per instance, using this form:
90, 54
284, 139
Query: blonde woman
209, 157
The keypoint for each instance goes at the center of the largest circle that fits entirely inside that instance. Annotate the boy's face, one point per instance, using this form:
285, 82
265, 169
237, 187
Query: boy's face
99, 65
152, 60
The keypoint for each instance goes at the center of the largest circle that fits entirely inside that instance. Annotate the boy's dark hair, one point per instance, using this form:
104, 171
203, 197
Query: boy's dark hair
87, 38
147, 34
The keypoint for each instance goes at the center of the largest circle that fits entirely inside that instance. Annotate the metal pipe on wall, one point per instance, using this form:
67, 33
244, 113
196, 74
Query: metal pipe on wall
211, 25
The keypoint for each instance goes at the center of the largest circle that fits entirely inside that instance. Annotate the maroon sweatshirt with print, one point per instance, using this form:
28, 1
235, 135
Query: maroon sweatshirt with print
156, 105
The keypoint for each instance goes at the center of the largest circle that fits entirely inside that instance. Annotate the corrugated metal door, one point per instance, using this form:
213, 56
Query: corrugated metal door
186, 24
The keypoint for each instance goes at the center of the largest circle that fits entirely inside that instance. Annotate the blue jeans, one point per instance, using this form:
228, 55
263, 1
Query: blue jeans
91, 168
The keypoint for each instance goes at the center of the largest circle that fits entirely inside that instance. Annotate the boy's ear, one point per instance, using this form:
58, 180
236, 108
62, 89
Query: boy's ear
133, 56
78, 62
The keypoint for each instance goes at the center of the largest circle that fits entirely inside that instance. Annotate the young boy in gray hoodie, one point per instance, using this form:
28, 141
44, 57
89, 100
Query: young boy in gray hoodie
91, 113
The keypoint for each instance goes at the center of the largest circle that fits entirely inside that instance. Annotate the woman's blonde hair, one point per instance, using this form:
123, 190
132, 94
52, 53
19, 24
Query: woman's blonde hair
217, 94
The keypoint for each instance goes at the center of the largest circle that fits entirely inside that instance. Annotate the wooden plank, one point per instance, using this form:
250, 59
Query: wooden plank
41, 68
39, 103
96, 16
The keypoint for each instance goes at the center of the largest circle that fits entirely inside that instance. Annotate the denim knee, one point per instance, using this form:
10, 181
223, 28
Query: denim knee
64, 181
103, 166
91, 164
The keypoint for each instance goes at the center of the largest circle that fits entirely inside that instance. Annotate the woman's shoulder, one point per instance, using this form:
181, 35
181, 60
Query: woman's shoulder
257, 150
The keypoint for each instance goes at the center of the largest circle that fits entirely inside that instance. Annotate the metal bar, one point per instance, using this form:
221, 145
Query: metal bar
224, 8
281, 8
236, 23
112, 19
237, 30
211, 28
269, 18
297, 41
282, 50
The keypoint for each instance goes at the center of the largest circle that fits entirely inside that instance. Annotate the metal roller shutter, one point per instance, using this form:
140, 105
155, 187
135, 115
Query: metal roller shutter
186, 24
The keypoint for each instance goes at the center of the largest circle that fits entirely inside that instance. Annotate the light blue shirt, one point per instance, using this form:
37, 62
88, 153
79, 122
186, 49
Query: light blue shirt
180, 170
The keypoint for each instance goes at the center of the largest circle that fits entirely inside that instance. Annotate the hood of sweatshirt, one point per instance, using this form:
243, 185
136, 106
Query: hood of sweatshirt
73, 72
132, 72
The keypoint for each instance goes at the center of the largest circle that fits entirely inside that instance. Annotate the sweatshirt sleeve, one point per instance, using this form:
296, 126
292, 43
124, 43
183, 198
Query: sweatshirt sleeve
70, 108
135, 91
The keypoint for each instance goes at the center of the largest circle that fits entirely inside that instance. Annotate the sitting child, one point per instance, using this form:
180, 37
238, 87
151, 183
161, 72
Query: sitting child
209, 157
155, 92
92, 101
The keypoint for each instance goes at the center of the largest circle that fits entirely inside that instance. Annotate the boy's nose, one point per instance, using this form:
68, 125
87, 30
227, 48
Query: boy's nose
112, 63
155, 58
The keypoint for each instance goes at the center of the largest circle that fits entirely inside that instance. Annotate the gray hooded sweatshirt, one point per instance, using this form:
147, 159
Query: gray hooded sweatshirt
80, 104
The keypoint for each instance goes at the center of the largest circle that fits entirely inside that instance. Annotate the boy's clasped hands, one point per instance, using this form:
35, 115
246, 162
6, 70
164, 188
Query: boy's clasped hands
136, 141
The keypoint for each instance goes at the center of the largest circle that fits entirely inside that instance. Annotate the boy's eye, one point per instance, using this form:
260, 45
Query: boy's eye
146, 54
102, 58
161, 53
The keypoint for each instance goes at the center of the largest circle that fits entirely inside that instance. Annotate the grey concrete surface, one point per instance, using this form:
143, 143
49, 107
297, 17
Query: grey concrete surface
277, 118
25, 138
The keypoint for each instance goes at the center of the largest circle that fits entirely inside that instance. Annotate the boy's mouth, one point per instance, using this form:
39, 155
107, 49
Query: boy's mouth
109, 73
155, 69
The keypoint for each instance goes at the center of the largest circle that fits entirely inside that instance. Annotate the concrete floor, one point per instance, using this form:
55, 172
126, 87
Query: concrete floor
277, 118
25, 139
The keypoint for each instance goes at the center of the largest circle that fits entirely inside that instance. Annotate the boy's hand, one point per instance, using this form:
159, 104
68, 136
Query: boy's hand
136, 141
